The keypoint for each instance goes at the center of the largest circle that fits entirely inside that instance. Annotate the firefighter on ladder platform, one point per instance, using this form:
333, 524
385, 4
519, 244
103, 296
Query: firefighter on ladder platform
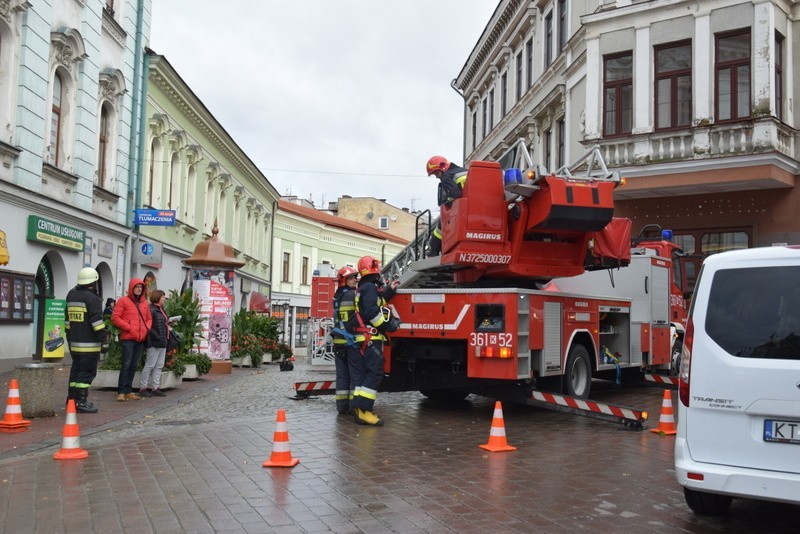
369, 325
451, 183
344, 306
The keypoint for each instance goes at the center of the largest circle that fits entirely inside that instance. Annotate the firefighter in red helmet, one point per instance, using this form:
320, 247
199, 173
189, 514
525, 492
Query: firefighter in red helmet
369, 325
344, 305
452, 178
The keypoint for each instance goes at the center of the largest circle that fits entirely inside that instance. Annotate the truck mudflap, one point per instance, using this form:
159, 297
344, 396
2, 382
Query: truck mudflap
652, 379
630, 418
304, 390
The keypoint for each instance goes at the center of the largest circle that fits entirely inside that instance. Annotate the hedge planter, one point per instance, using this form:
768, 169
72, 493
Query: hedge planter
191, 372
243, 361
110, 379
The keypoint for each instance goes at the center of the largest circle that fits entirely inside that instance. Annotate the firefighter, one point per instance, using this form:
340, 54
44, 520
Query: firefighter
370, 323
452, 178
344, 305
87, 337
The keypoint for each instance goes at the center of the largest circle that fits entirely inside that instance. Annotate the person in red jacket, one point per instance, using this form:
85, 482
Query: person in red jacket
132, 316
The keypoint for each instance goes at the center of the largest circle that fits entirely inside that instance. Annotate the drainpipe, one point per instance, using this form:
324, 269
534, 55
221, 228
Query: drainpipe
137, 132
454, 86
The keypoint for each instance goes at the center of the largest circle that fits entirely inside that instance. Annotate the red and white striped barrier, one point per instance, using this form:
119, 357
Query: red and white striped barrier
620, 414
304, 390
661, 380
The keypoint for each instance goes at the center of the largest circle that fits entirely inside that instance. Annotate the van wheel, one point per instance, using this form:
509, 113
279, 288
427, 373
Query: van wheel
578, 375
703, 503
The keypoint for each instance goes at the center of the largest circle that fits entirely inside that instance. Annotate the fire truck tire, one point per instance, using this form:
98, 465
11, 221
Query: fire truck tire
445, 395
578, 376
677, 352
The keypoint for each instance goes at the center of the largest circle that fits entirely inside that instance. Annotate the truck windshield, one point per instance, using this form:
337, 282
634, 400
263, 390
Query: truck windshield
755, 312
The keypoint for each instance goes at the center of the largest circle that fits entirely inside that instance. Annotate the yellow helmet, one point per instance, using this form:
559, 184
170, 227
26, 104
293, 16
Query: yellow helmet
87, 276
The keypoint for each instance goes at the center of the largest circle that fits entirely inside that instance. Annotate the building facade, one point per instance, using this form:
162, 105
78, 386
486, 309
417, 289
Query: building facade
193, 167
378, 214
308, 240
70, 95
691, 101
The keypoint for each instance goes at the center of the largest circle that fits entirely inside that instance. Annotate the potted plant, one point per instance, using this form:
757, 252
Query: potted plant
254, 336
245, 350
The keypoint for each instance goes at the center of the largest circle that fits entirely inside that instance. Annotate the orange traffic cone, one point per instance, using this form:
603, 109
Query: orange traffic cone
666, 421
71, 442
13, 421
497, 434
281, 455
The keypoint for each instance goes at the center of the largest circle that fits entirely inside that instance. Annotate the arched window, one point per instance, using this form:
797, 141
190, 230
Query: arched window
208, 222
191, 194
54, 148
103, 146
154, 182
174, 182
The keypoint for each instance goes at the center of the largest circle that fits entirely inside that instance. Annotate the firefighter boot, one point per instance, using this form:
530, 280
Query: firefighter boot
82, 404
366, 417
72, 393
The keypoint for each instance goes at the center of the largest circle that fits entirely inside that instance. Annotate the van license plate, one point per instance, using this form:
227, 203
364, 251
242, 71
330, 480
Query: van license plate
782, 431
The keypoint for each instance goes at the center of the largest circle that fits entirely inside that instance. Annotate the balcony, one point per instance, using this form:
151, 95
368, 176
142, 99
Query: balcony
765, 147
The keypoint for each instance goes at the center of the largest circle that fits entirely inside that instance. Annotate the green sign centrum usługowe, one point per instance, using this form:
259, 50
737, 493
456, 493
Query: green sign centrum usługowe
55, 233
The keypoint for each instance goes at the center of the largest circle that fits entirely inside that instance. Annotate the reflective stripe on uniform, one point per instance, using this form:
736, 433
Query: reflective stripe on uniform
367, 393
437, 233
77, 346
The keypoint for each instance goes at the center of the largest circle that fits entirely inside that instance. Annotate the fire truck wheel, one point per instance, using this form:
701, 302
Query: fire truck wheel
677, 352
578, 377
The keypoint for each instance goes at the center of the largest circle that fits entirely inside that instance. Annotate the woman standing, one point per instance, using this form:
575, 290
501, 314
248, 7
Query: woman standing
156, 348
132, 316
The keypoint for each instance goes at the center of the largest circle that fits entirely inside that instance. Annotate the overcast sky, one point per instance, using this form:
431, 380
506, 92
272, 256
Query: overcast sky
330, 97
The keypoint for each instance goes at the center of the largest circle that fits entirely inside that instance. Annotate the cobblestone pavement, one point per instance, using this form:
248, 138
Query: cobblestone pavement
195, 466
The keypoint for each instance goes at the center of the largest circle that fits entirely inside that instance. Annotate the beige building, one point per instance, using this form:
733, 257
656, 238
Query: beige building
376, 213
691, 101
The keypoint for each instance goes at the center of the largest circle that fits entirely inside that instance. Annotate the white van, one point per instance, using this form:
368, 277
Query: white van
739, 407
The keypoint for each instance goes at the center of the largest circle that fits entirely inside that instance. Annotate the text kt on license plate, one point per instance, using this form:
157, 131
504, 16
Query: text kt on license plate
782, 431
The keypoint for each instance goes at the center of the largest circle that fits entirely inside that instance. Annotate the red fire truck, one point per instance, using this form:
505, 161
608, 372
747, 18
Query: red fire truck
537, 288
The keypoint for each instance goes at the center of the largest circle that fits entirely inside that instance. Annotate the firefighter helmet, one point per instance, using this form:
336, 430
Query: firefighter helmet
368, 265
437, 163
345, 273
87, 276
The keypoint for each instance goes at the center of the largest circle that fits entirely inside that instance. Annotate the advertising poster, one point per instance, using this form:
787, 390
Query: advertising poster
5, 298
214, 289
54, 339
16, 312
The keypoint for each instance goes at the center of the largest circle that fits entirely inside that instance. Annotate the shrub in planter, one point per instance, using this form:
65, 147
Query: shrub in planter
199, 359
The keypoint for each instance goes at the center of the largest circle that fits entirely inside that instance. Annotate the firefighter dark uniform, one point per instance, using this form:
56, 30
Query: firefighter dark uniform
369, 326
87, 337
344, 305
452, 178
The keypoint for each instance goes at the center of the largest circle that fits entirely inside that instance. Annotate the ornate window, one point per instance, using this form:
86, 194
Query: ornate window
732, 75
67, 51
618, 94
673, 91
54, 153
102, 146
779, 76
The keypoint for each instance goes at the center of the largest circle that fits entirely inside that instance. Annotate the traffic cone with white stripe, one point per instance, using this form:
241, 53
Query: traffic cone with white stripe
71, 442
497, 434
666, 421
12, 421
281, 455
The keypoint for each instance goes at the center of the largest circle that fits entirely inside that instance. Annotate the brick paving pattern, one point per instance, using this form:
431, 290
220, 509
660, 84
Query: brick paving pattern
192, 463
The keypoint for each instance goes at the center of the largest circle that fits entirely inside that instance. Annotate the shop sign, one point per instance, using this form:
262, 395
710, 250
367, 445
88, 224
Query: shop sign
54, 317
147, 252
55, 233
144, 217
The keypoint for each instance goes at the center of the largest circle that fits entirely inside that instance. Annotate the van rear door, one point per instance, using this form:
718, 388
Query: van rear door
745, 365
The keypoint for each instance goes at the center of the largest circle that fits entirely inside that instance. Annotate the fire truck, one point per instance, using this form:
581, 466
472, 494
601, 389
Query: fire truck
537, 288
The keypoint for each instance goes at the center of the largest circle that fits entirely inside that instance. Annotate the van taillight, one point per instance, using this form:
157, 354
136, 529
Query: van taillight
686, 363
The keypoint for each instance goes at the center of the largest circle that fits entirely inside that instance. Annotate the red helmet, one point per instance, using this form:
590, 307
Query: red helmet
437, 163
368, 265
345, 273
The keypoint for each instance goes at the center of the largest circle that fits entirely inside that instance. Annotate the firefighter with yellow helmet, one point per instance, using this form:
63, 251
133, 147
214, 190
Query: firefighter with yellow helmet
369, 325
452, 178
87, 337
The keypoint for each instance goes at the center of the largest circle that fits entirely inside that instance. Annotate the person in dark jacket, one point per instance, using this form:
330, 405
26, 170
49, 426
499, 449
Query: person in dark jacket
132, 316
109, 309
370, 324
156, 348
452, 178
87, 337
343, 308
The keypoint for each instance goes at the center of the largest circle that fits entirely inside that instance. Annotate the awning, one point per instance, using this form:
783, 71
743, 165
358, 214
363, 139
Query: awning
258, 302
